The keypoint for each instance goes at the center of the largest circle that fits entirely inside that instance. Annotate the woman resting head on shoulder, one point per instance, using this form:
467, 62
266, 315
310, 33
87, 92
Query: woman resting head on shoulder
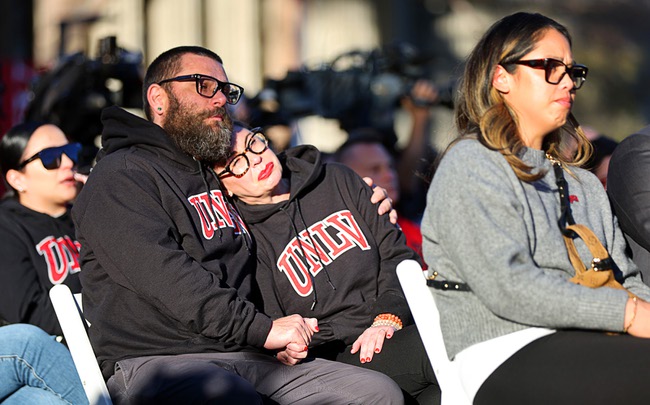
264, 182
253, 173
38, 246
38, 165
494, 224
323, 252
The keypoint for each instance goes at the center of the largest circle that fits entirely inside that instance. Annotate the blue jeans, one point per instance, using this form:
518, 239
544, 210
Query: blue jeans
36, 369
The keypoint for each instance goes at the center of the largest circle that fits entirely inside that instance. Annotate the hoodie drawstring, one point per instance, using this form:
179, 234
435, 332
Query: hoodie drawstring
302, 219
304, 255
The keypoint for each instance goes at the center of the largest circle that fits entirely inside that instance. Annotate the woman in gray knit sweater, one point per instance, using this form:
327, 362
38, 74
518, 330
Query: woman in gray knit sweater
522, 332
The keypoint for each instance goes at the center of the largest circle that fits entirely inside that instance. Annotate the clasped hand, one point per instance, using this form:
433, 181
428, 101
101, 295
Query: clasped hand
291, 336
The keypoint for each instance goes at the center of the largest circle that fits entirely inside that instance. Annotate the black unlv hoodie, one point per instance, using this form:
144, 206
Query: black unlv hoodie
37, 252
325, 252
166, 260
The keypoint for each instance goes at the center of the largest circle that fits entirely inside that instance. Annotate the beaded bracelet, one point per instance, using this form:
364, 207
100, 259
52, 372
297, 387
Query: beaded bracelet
388, 320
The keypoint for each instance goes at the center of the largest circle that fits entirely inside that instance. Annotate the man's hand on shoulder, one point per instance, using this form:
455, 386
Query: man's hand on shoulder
379, 195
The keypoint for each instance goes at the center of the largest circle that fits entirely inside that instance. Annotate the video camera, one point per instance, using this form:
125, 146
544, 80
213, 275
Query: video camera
359, 88
73, 94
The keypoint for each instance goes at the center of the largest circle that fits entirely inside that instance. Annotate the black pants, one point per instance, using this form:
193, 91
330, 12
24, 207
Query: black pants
403, 358
573, 367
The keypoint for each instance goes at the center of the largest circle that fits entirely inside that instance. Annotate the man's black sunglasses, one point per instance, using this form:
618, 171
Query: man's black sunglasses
208, 86
51, 157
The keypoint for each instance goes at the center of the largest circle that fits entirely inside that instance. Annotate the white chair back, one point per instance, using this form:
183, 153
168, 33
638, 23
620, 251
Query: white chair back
427, 319
72, 322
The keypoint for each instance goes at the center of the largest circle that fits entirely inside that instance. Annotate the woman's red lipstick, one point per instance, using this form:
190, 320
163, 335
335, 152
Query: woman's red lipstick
268, 169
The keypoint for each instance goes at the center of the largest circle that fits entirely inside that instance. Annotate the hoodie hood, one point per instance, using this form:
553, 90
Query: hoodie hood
22, 213
303, 166
123, 130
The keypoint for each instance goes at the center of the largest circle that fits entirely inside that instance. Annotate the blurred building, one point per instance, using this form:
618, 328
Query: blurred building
256, 38
262, 40
259, 40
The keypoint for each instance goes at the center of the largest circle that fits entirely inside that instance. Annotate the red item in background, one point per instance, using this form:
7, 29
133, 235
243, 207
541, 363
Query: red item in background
413, 236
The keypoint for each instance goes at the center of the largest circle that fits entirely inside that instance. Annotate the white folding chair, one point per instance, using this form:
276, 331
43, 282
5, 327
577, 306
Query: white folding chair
427, 319
475, 363
68, 311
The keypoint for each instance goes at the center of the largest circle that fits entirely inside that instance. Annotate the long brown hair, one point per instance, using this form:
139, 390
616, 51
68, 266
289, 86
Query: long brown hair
480, 109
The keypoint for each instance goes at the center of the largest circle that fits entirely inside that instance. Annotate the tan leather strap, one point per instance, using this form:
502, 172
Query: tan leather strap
596, 248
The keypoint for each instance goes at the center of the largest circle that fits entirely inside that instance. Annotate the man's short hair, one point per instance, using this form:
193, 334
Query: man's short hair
360, 136
166, 66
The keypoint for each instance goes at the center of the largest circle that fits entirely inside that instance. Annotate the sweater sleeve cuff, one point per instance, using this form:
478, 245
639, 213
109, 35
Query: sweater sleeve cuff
393, 304
259, 330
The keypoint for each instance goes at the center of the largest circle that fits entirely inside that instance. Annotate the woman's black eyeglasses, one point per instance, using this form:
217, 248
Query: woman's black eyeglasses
208, 86
51, 157
238, 165
556, 69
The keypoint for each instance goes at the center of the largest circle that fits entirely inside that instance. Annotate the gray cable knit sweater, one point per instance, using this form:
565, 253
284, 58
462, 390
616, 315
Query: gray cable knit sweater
485, 227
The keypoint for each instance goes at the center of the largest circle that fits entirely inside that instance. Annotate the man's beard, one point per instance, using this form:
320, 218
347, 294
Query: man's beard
193, 136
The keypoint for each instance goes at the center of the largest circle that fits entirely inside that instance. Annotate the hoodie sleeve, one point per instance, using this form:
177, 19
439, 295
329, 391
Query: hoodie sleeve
271, 292
391, 244
130, 226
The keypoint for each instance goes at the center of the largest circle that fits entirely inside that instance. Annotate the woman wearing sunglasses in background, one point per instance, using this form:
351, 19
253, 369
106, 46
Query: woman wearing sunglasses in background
38, 248
518, 329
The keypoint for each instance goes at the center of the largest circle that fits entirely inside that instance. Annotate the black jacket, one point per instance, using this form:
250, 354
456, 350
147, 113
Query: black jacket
166, 260
628, 188
342, 270
37, 252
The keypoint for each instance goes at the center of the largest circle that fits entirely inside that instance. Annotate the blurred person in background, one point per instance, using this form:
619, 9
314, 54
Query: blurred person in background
38, 248
603, 147
398, 172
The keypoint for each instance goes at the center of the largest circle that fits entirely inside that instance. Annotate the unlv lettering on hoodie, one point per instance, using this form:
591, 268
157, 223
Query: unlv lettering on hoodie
333, 236
61, 256
215, 212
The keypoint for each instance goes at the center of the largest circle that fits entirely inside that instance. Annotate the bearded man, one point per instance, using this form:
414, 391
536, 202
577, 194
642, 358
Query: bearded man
167, 263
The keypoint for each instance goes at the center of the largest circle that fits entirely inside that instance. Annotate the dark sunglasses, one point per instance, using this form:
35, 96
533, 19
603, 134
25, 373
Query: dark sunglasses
555, 70
208, 86
51, 157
